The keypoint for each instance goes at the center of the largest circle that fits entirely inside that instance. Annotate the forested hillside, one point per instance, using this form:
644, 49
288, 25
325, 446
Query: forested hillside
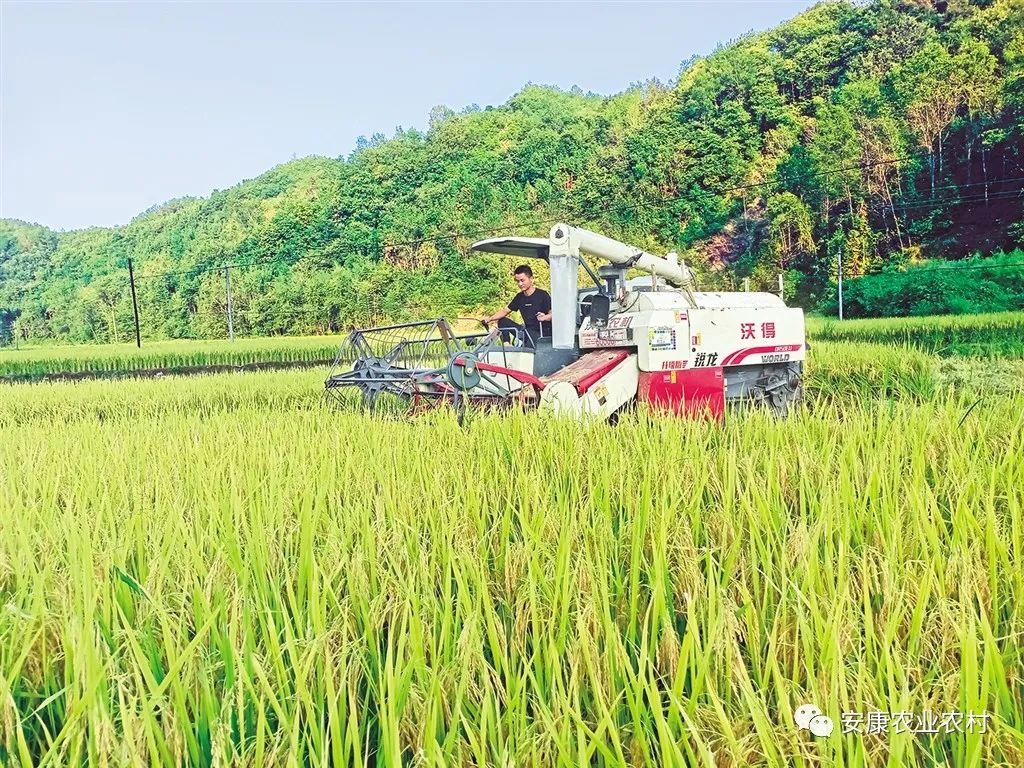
889, 132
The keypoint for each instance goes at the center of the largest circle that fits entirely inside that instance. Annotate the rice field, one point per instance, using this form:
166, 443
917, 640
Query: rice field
989, 335
38, 361
223, 570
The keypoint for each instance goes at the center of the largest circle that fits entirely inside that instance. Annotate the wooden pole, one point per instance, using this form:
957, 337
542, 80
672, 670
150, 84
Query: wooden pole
840, 283
135, 304
231, 316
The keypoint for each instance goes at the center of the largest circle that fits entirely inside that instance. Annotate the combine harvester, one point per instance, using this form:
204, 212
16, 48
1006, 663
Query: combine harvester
650, 339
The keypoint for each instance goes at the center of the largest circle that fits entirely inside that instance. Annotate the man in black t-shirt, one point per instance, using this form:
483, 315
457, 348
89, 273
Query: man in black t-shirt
532, 303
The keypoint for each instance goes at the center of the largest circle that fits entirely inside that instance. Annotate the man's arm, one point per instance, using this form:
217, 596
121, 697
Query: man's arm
498, 315
512, 307
545, 314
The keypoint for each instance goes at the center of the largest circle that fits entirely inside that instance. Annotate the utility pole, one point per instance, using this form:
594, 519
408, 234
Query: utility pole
840, 270
135, 304
227, 289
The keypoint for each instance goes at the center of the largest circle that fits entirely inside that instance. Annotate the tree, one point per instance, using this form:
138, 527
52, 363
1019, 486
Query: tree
931, 104
790, 228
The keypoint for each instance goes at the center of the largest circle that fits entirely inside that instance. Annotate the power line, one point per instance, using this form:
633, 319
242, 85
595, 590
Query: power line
469, 233
219, 268
644, 206
924, 202
990, 183
913, 270
440, 237
652, 205
938, 201
826, 172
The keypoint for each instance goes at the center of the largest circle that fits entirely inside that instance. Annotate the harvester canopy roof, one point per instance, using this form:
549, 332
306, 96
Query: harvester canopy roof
709, 300
523, 247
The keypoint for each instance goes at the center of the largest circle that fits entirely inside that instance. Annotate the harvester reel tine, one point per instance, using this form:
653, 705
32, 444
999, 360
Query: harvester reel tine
370, 399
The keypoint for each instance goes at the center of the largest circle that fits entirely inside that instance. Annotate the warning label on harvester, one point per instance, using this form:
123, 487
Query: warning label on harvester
661, 338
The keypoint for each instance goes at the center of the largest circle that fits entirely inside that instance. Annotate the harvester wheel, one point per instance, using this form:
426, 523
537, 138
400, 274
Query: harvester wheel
778, 391
785, 392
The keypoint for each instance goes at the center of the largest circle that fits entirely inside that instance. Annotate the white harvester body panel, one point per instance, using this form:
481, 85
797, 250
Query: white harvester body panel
730, 336
513, 359
725, 329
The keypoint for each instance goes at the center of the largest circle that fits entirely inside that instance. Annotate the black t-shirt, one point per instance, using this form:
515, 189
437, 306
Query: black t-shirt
529, 306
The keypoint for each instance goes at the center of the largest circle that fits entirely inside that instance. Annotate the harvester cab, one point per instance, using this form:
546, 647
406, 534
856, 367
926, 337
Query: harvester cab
650, 339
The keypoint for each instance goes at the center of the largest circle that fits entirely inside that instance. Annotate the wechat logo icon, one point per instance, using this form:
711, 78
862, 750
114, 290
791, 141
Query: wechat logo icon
809, 718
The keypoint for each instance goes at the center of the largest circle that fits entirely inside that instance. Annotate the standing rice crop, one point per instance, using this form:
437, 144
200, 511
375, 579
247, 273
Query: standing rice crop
264, 582
998, 334
34, 362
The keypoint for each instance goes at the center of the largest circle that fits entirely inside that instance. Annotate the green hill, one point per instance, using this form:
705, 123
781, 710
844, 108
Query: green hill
892, 131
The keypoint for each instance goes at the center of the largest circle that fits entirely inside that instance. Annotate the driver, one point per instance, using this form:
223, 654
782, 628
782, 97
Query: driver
532, 303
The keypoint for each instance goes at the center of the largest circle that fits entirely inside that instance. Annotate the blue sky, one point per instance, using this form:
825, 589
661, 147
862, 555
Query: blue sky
109, 108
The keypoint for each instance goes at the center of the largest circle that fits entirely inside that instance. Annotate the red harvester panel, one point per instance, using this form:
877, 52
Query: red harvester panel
589, 369
697, 392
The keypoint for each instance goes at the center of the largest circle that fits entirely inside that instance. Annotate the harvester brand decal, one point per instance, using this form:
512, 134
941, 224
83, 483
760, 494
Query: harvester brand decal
622, 321
776, 354
749, 330
705, 360
668, 365
661, 338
